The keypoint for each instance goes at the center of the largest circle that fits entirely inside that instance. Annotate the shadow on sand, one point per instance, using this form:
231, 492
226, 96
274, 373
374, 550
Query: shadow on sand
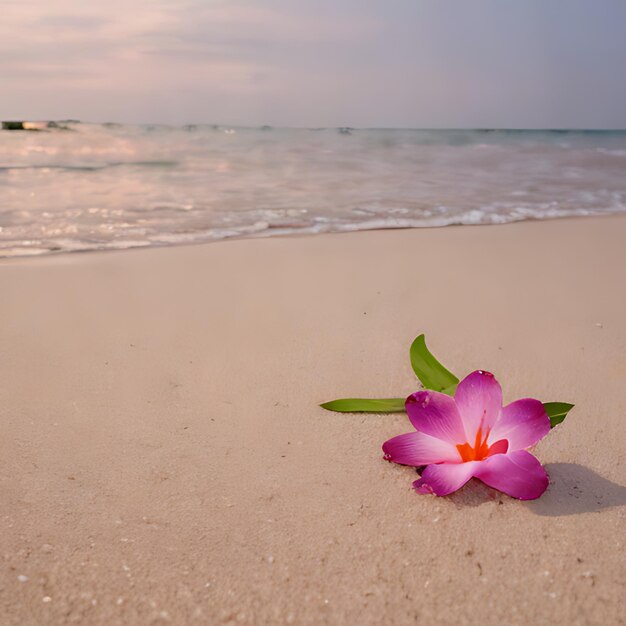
576, 489
573, 489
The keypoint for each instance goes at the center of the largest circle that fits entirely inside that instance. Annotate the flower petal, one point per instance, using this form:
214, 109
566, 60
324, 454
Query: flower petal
523, 423
499, 447
436, 414
445, 478
479, 400
518, 474
419, 449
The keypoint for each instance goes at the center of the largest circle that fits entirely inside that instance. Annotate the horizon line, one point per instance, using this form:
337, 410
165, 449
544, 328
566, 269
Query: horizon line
338, 127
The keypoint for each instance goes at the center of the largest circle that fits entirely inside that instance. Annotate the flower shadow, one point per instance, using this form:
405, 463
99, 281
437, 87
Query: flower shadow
576, 489
573, 489
475, 493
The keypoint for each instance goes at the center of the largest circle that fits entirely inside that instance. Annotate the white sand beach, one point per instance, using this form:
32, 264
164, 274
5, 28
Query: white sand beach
163, 458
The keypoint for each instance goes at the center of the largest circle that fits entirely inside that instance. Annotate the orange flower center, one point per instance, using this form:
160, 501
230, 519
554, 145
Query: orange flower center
477, 452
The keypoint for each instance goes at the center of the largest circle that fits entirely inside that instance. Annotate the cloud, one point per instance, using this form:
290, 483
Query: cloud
63, 22
230, 46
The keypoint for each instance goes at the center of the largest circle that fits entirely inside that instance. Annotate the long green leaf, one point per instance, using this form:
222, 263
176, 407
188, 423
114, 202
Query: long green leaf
557, 411
365, 405
432, 374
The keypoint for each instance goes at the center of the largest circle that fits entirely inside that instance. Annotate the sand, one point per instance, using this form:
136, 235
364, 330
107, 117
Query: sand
163, 458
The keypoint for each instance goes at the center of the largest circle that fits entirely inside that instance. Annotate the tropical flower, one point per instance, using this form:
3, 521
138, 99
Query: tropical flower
473, 435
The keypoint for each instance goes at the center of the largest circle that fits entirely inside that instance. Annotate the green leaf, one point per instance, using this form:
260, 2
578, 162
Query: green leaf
432, 374
451, 390
557, 411
365, 405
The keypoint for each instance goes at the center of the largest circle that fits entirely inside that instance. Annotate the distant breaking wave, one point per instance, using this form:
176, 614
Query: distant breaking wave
74, 186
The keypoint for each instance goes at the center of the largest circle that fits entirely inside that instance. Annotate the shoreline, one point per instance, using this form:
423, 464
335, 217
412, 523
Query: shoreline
163, 458
299, 233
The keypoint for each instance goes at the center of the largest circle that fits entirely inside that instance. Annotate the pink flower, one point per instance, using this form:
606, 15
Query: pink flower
473, 435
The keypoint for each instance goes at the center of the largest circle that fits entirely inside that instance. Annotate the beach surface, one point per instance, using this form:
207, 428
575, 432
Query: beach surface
163, 458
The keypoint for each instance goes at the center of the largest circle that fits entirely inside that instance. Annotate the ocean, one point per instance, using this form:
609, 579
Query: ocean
79, 186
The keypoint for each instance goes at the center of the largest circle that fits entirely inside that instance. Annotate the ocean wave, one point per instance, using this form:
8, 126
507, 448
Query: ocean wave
112, 186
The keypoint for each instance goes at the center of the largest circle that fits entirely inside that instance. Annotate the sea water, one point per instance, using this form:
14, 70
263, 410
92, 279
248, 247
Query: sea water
81, 186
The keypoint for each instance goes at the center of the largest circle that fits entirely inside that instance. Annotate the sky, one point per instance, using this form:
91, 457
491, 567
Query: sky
377, 63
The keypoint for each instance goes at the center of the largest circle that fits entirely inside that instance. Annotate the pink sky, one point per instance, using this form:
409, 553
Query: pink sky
403, 63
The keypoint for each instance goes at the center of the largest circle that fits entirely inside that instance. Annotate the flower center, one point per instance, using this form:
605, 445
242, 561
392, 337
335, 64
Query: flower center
477, 452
